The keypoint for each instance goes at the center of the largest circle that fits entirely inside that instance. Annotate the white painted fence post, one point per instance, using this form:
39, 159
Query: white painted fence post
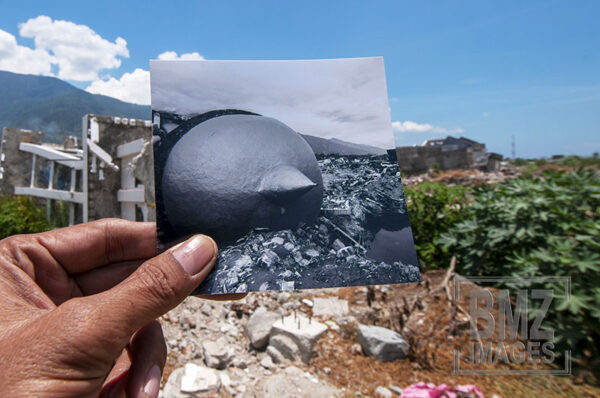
73, 185
32, 181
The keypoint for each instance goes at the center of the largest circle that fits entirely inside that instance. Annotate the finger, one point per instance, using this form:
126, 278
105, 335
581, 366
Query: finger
87, 246
103, 278
116, 381
115, 389
148, 356
223, 297
156, 287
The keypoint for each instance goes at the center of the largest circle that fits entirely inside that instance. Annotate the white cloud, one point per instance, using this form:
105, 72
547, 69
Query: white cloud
135, 87
21, 59
172, 55
79, 52
413, 127
131, 87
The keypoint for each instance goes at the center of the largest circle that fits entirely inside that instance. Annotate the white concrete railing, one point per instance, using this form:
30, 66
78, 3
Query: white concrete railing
131, 195
73, 161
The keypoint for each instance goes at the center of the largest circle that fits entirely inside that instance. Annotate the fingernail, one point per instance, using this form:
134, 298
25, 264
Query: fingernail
195, 253
152, 383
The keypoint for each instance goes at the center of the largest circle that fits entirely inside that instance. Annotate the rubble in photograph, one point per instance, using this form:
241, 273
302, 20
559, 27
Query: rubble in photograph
362, 236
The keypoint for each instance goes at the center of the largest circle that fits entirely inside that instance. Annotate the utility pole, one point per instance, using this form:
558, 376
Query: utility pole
513, 147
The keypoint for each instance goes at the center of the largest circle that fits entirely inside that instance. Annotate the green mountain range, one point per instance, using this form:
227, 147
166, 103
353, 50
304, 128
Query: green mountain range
54, 106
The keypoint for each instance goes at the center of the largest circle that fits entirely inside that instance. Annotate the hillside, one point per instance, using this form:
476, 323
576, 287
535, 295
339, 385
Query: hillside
54, 106
323, 146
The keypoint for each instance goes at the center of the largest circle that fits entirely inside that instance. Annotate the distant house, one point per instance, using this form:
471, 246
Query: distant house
447, 153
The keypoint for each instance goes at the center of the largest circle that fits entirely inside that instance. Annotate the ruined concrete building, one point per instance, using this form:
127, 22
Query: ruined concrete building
447, 153
107, 172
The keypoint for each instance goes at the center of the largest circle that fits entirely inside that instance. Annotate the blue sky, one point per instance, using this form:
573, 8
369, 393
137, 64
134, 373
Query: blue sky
485, 70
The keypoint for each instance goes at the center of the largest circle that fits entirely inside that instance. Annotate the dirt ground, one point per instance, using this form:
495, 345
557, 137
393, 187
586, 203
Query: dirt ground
436, 331
420, 311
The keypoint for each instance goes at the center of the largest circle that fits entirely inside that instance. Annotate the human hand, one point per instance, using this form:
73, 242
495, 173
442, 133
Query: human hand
79, 305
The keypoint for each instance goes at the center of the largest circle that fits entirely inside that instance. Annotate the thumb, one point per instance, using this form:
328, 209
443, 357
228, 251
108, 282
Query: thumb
156, 287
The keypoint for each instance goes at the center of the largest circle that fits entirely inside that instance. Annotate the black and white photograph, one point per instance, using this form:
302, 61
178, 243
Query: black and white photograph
289, 165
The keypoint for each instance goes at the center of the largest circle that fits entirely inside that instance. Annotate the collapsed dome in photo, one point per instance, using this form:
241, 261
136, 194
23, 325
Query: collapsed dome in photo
232, 173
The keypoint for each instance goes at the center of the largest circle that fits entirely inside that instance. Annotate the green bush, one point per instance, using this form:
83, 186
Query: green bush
577, 161
545, 226
433, 207
519, 162
59, 214
20, 215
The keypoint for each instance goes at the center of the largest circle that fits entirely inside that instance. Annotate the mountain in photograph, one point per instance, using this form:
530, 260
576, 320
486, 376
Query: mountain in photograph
324, 146
54, 106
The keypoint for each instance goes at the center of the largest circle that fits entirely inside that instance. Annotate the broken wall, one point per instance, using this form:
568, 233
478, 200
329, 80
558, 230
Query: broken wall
494, 162
419, 159
15, 164
104, 182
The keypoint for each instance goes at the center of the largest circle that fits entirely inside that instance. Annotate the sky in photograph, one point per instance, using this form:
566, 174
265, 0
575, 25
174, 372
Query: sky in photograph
484, 70
342, 98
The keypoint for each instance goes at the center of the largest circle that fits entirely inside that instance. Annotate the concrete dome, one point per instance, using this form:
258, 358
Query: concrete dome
233, 173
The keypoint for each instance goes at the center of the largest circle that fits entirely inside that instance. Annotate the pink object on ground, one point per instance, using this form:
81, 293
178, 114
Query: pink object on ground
430, 390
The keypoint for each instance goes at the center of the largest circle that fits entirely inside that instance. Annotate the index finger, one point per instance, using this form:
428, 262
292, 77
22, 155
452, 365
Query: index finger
87, 246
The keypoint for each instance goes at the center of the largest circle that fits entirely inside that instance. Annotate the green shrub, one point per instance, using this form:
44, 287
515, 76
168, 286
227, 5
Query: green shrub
59, 214
529, 170
577, 161
545, 226
433, 207
20, 215
519, 162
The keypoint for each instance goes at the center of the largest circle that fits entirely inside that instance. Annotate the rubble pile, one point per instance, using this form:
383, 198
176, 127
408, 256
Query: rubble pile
243, 348
326, 343
463, 177
263, 343
362, 237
